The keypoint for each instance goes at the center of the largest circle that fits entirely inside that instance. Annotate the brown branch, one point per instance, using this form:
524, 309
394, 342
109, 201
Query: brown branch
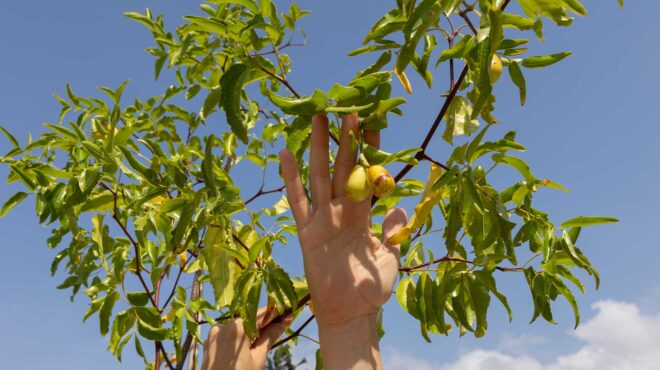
454, 259
184, 351
136, 247
436, 123
425, 156
159, 345
463, 14
281, 80
176, 283
264, 192
293, 335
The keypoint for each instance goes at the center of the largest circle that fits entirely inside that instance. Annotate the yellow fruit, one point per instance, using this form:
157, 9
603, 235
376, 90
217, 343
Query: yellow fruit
495, 68
357, 187
381, 181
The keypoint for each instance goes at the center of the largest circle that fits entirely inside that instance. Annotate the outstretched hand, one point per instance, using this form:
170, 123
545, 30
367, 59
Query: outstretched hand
350, 272
227, 347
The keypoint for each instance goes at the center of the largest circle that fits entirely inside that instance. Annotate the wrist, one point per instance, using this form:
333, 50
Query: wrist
351, 344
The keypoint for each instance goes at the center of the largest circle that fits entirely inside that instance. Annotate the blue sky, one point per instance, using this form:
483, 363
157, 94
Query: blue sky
591, 123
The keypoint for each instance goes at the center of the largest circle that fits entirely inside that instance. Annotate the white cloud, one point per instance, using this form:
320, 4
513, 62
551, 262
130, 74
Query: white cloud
619, 337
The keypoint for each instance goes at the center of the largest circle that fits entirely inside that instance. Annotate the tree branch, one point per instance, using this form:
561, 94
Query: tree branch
136, 247
454, 259
293, 335
264, 192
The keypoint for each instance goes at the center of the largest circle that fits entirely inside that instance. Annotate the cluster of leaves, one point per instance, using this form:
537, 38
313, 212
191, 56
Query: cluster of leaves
163, 204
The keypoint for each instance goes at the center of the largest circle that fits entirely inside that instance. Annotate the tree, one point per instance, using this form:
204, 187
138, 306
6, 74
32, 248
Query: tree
141, 195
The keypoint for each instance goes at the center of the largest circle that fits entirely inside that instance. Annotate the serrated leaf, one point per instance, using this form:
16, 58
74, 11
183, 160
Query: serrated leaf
231, 84
221, 266
316, 103
106, 311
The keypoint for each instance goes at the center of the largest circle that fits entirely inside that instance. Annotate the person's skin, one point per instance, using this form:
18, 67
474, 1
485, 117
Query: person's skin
350, 272
227, 347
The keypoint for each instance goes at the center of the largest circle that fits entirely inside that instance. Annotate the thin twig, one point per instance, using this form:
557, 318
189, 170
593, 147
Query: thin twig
264, 192
294, 334
454, 259
136, 247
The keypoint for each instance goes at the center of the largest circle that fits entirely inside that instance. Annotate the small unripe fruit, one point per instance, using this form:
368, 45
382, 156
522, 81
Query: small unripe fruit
380, 180
495, 68
357, 187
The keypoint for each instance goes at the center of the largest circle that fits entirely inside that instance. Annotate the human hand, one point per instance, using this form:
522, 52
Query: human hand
227, 347
350, 272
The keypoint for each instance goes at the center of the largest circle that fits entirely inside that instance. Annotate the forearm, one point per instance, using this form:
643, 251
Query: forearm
352, 345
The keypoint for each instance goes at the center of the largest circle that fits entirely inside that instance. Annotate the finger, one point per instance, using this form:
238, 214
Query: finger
395, 219
346, 155
265, 315
294, 188
210, 348
320, 162
372, 137
269, 336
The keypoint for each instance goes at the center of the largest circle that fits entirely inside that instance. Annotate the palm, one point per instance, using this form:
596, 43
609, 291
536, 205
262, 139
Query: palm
349, 270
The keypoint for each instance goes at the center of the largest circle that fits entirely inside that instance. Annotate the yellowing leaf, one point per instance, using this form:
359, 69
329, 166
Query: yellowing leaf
221, 265
404, 80
423, 209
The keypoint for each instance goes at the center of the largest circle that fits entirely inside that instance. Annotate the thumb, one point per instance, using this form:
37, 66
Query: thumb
395, 220
269, 334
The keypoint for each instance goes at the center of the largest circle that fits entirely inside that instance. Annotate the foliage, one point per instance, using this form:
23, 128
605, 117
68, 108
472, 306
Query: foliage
140, 195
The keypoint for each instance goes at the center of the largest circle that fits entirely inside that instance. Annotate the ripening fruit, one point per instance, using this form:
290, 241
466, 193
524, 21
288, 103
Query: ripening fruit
357, 187
495, 68
380, 180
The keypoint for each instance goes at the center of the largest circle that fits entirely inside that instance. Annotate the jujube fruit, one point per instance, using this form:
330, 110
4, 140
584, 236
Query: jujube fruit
382, 183
495, 68
357, 187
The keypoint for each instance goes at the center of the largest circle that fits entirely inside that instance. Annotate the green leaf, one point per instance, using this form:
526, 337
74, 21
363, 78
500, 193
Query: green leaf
249, 4
576, 7
583, 221
147, 173
138, 298
207, 167
9, 136
106, 311
370, 48
316, 103
150, 332
377, 156
378, 118
231, 84
185, 220
544, 61
12, 202
459, 50
425, 14
380, 63
390, 22
519, 80
563, 290
350, 109
211, 102
459, 119
221, 266
517, 21
518, 164
212, 25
